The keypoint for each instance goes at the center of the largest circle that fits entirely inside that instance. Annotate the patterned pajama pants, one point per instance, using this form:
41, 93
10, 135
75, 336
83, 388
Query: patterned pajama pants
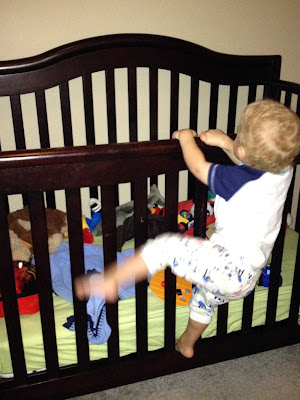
219, 277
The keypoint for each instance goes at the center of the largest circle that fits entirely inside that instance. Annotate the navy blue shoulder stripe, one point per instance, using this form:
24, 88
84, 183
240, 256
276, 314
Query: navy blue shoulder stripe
226, 180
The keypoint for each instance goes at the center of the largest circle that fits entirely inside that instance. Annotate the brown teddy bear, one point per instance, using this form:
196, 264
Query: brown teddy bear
20, 232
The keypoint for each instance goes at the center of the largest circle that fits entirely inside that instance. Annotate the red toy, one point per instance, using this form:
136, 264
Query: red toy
26, 288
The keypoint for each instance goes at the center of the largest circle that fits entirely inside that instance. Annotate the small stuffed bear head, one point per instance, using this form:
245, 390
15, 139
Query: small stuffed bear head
20, 232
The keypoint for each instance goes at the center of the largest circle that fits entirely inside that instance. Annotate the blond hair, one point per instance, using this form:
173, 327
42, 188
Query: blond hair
270, 135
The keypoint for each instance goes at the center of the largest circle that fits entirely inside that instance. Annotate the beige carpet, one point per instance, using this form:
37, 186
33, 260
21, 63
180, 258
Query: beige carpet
272, 375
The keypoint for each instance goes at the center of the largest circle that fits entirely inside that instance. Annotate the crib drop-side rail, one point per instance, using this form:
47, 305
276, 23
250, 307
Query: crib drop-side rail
90, 165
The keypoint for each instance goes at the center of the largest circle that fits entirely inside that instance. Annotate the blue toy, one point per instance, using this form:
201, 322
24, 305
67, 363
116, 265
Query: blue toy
96, 214
264, 279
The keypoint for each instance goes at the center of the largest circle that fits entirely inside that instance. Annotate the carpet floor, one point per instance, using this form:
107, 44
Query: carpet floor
271, 375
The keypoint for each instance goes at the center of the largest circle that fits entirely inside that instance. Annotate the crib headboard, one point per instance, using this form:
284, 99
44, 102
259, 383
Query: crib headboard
130, 51
195, 76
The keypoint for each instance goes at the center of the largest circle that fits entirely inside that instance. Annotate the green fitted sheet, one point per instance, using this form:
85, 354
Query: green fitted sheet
32, 333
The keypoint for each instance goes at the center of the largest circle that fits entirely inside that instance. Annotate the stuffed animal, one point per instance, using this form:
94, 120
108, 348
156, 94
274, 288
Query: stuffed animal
20, 250
20, 232
126, 210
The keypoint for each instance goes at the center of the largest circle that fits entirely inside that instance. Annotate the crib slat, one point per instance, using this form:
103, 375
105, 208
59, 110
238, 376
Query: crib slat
174, 102
252, 93
200, 200
77, 268
288, 99
111, 115
153, 88
88, 108
111, 106
10, 304
170, 279
298, 106
66, 113
276, 92
40, 247
141, 231
222, 320
232, 109
44, 134
18, 124
5, 204
194, 104
153, 94
275, 270
213, 106
89, 118
268, 91
110, 249
247, 312
42, 119
132, 96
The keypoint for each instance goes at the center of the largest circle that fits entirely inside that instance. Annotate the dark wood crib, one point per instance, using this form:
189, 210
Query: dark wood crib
100, 163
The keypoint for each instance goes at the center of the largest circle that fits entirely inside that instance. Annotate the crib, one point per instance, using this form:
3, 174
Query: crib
160, 84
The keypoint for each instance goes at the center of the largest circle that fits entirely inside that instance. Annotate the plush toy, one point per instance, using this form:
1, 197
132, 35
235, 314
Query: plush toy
20, 250
20, 232
126, 210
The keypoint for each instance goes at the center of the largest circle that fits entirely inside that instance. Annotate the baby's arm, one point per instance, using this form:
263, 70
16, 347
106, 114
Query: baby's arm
193, 156
216, 137
114, 277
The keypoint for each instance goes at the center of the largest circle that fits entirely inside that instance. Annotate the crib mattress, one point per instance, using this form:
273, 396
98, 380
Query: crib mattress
32, 333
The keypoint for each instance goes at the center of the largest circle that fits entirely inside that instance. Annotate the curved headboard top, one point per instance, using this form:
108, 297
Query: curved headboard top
132, 51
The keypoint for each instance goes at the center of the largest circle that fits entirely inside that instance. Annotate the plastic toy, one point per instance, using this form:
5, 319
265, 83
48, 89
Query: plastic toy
96, 215
183, 288
264, 279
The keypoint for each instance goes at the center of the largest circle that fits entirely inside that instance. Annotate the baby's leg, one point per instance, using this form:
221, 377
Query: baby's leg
192, 333
204, 264
107, 285
202, 306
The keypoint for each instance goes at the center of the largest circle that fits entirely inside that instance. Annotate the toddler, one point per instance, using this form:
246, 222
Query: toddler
248, 208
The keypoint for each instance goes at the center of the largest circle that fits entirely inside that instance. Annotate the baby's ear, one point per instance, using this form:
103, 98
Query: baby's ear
241, 152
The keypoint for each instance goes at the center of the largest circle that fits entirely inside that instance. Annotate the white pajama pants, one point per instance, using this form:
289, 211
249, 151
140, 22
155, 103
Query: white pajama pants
219, 277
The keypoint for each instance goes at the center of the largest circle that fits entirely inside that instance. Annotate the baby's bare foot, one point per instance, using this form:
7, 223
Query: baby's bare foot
187, 352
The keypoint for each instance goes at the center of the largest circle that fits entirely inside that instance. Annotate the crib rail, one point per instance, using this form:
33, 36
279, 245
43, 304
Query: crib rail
101, 165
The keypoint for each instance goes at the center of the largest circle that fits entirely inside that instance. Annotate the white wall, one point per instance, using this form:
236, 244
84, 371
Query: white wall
29, 27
